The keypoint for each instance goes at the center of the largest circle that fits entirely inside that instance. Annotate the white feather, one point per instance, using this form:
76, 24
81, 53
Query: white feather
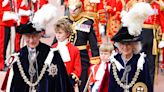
44, 15
134, 19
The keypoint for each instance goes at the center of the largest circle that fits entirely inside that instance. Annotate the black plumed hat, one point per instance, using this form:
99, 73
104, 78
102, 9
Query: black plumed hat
123, 36
28, 28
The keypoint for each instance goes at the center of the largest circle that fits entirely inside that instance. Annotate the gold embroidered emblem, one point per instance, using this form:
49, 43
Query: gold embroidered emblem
53, 70
140, 87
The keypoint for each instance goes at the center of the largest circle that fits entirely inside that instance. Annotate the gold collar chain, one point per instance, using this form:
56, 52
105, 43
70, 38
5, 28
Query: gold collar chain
124, 86
26, 80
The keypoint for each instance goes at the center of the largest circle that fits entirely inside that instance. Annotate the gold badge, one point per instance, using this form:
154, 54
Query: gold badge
140, 87
53, 70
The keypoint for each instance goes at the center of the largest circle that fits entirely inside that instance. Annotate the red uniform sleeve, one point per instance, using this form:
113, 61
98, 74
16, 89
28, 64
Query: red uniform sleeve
42, 2
77, 65
24, 19
39, 4
11, 8
161, 18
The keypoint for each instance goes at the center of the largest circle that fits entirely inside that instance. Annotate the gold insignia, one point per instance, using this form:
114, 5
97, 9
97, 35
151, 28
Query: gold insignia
140, 87
53, 70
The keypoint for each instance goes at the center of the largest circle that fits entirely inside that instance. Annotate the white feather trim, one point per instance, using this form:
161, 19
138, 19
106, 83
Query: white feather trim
5, 2
141, 61
161, 44
113, 60
134, 19
44, 15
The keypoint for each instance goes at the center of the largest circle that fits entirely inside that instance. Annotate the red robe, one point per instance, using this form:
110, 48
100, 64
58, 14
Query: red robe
24, 19
74, 65
1, 38
104, 81
13, 8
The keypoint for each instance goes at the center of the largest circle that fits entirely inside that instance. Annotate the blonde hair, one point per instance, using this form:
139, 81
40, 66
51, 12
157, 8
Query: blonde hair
64, 25
106, 47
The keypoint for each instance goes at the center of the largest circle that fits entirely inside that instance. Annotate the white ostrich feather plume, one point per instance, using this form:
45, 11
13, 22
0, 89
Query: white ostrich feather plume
44, 15
134, 18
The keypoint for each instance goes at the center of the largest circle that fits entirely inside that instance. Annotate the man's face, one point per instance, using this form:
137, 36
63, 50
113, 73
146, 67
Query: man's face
32, 40
75, 12
61, 35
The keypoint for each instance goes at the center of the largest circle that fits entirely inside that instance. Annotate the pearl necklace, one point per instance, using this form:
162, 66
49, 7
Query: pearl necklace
26, 80
124, 86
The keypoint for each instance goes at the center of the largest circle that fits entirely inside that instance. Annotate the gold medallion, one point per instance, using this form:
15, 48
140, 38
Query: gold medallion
140, 87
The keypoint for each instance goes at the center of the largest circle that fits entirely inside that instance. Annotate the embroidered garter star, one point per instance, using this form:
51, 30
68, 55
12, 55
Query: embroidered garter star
53, 70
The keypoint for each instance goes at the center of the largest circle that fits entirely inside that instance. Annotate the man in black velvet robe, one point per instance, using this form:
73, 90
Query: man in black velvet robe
36, 67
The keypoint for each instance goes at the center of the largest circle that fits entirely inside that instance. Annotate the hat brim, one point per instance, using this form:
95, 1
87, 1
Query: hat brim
135, 39
123, 36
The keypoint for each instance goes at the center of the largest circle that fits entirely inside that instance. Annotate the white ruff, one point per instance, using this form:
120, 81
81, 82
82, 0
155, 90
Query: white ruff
64, 52
113, 60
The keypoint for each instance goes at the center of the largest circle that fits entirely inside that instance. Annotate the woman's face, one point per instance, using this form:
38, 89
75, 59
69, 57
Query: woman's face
32, 40
61, 35
126, 48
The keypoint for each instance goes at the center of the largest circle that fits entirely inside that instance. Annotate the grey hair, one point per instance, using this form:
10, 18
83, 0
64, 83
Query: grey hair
137, 46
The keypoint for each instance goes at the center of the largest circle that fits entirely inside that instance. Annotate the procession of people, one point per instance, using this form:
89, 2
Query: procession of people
79, 59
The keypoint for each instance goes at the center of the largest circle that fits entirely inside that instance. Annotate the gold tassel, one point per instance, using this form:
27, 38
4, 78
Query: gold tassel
155, 52
155, 48
156, 69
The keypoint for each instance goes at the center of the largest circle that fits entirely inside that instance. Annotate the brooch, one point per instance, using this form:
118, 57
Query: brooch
53, 70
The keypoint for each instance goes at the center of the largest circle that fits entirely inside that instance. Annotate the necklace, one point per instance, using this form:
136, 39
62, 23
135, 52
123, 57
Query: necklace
26, 80
124, 86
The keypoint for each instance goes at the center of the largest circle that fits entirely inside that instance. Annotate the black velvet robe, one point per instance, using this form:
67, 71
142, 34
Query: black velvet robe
144, 75
58, 83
